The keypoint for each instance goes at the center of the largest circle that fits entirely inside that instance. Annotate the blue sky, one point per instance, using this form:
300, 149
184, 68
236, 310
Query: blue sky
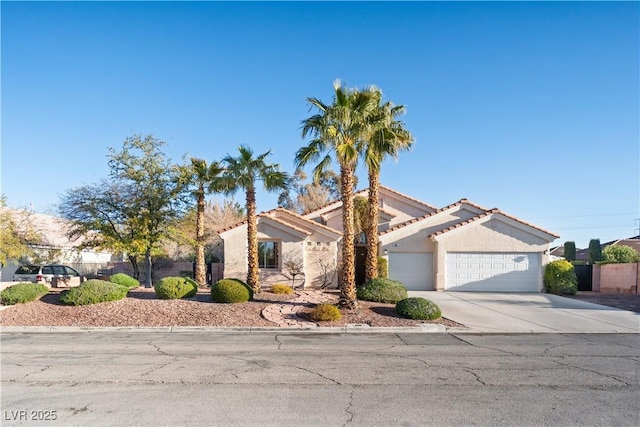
529, 107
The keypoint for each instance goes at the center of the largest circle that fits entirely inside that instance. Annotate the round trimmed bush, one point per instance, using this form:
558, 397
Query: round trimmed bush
325, 313
382, 290
418, 308
231, 291
560, 278
190, 280
22, 292
281, 289
175, 288
93, 291
124, 280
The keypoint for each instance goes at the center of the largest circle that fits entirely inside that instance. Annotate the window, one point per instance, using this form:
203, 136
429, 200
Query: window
71, 272
268, 254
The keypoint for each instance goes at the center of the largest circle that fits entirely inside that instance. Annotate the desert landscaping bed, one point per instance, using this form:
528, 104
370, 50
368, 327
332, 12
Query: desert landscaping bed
143, 308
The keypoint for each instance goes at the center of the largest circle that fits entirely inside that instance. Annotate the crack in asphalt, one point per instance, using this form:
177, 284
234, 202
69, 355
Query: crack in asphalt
76, 411
580, 368
349, 409
318, 374
487, 348
44, 368
164, 365
477, 377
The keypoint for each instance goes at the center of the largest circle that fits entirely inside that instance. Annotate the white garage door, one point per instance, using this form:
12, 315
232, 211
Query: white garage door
414, 270
493, 272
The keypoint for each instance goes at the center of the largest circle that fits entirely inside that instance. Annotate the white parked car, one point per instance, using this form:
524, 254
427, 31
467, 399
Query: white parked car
50, 274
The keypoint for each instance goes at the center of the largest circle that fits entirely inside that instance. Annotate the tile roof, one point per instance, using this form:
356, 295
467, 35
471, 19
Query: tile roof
285, 224
301, 218
437, 211
632, 242
270, 215
364, 190
390, 190
488, 213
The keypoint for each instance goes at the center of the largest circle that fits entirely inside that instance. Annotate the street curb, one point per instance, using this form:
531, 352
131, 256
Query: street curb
349, 329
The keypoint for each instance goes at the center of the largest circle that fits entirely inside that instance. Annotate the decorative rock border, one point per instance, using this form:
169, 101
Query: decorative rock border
285, 314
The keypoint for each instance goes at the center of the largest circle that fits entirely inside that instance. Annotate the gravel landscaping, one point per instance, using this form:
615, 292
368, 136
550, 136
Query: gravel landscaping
143, 308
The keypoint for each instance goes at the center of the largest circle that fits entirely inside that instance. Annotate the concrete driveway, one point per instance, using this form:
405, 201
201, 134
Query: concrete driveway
525, 312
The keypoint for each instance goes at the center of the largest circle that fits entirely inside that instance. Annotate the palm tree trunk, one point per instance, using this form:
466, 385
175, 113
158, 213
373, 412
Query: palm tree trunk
348, 283
253, 274
200, 273
371, 266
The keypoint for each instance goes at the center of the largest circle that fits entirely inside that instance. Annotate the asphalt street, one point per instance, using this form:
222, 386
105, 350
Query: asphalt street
152, 378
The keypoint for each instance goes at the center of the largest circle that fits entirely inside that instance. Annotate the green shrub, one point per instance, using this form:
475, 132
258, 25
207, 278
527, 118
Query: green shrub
124, 280
22, 292
570, 251
418, 308
383, 267
595, 251
175, 288
325, 313
281, 289
190, 280
92, 292
382, 290
560, 278
231, 291
619, 254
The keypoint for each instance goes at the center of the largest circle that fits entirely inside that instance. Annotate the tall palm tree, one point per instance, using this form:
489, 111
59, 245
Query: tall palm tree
388, 137
339, 129
204, 180
243, 172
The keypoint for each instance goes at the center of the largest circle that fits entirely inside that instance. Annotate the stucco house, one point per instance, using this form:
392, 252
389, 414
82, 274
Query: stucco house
460, 247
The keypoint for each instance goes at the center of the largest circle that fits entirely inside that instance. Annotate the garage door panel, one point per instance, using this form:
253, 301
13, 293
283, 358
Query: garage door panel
505, 272
414, 270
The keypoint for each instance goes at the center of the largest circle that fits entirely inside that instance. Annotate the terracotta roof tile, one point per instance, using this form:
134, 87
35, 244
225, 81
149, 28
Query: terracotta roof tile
465, 222
437, 211
301, 218
358, 192
286, 224
407, 197
269, 214
488, 213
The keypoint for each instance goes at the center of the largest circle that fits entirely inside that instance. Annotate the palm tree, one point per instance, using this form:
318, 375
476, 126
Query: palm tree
340, 129
389, 136
243, 172
205, 180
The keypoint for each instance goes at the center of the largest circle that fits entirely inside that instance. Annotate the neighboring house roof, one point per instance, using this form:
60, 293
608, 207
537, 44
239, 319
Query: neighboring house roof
557, 251
632, 242
52, 229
